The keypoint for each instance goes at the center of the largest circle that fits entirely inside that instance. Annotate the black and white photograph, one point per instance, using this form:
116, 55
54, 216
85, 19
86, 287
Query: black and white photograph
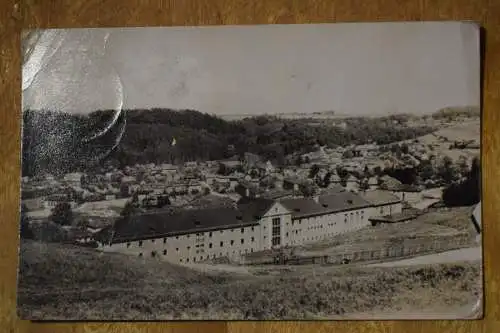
269, 172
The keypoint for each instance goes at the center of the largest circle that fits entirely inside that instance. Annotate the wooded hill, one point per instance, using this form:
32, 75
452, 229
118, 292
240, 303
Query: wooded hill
60, 142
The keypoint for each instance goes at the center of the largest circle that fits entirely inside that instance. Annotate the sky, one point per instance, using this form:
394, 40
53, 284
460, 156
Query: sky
350, 68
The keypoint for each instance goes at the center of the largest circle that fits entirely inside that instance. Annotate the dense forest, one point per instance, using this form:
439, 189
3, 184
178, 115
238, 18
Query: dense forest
60, 142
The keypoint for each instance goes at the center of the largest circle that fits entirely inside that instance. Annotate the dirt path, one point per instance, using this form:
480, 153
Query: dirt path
467, 254
468, 311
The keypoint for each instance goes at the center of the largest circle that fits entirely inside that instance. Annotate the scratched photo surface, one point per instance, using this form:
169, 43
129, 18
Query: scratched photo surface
273, 172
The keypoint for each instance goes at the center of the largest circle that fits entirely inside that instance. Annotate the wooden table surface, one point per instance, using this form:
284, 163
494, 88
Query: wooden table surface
16, 15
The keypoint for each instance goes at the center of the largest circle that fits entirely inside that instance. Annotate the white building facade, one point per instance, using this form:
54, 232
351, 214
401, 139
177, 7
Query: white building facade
258, 225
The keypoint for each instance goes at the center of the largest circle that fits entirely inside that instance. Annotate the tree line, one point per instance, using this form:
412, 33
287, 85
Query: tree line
53, 141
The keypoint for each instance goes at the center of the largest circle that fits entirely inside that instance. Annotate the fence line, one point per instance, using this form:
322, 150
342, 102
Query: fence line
407, 248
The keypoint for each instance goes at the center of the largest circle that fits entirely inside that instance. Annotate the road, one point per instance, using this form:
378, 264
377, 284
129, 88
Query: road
467, 254
469, 311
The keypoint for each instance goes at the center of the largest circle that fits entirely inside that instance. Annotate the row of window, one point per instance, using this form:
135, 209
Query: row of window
210, 234
320, 217
154, 253
246, 251
210, 245
350, 216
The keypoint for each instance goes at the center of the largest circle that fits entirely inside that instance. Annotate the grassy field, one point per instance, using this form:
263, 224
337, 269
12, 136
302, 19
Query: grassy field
68, 283
470, 130
438, 222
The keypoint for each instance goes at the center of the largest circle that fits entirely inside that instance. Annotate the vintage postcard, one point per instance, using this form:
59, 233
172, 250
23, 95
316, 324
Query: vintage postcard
273, 172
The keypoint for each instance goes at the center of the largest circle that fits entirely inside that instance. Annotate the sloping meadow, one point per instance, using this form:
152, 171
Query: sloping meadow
69, 283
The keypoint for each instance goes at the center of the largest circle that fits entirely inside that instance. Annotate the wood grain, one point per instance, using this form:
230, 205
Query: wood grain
15, 16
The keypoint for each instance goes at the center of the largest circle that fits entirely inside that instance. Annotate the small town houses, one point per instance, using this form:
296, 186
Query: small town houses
298, 208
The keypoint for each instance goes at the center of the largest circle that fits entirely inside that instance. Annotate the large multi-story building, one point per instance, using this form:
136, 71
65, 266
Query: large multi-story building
252, 225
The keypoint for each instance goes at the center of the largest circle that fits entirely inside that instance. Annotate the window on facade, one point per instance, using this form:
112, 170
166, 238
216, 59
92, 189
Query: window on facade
187, 236
140, 254
221, 244
177, 249
222, 231
180, 260
253, 229
253, 239
176, 237
164, 240
194, 259
140, 243
128, 244
210, 245
232, 242
209, 234
164, 252
242, 230
152, 241
242, 241
276, 231
153, 254
381, 210
189, 248
201, 258
187, 259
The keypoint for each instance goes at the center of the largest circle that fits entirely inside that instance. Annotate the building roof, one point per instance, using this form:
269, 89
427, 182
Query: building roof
379, 197
395, 218
335, 178
254, 209
390, 182
343, 201
303, 207
293, 180
352, 178
155, 225
332, 189
332, 203
231, 163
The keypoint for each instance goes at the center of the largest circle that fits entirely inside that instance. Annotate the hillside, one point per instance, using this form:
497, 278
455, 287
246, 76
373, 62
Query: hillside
61, 142
69, 283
